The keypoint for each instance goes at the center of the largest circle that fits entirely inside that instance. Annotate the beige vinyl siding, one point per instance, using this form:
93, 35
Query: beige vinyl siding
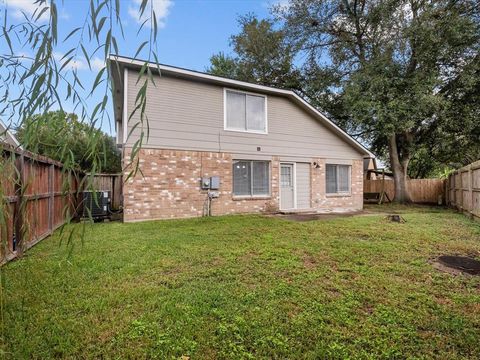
189, 115
303, 185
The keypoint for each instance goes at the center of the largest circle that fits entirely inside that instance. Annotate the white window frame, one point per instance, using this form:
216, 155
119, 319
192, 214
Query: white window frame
349, 192
252, 196
226, 128
294, 179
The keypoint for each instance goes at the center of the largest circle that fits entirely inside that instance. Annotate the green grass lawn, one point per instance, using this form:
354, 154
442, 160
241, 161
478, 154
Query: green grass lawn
242, 287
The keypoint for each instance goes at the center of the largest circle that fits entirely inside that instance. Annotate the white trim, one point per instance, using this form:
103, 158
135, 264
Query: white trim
339, 161
173, 69
265, 99
268, 89
299, 159
339, 193
252, 195
125, 103
294, 184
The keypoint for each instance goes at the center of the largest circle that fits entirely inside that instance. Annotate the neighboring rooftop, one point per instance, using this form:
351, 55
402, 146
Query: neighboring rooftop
7, 136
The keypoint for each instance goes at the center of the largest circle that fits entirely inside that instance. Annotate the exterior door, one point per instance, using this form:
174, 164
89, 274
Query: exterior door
287, 186
302, 184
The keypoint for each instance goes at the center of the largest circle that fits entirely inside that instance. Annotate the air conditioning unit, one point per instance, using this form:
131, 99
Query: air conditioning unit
96, 204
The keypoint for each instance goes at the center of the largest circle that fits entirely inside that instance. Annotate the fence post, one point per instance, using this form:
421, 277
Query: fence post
455, 189
470, 189
51, 197
461, 191
113, 191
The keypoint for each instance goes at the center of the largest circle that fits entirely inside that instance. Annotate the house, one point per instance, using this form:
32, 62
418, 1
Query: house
6, 136
222, 146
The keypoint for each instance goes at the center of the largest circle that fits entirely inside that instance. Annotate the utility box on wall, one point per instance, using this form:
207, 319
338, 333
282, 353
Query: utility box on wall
205, 183
215, 182
211, 183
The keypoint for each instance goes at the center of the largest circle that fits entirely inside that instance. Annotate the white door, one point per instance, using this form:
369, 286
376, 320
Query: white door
287, 186
302, 184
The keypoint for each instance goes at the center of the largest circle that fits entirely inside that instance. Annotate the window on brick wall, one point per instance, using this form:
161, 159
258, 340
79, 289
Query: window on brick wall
338, 178
245, 112
251, 178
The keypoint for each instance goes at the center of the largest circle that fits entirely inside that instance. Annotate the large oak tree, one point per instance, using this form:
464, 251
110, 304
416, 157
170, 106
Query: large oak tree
400, 75
393, 58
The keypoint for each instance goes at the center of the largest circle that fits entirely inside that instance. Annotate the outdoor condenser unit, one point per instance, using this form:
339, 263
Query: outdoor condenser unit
96, 204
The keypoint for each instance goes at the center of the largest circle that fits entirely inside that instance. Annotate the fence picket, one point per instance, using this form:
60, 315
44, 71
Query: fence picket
458, 192
422, 191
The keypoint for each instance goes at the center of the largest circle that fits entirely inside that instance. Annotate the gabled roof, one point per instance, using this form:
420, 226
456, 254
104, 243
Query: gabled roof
7, 136
218, 80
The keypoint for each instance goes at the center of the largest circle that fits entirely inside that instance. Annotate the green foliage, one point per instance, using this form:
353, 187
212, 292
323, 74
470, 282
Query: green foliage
61, 136
402, 76
393, 59
459, 125
241, 287
38, 76
224, 65
262, 55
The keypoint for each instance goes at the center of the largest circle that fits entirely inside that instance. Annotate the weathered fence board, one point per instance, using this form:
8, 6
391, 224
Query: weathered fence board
38, 196
35, 197
463, 189
422, 191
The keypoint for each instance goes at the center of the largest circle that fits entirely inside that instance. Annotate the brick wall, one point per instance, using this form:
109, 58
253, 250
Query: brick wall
337, 203
168, 186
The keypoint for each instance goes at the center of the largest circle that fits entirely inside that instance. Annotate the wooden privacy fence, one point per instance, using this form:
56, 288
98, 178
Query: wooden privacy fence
463, 189
112, 183
422, 191
37, 197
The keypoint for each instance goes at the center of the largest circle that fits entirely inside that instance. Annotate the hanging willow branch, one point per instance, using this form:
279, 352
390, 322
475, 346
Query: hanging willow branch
35, 78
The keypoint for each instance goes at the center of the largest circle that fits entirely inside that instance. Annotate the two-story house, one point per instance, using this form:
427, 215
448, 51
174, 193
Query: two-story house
262, 148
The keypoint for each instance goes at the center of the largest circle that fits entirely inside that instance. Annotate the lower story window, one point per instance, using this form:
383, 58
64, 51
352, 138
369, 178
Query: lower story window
338, 178
251, 178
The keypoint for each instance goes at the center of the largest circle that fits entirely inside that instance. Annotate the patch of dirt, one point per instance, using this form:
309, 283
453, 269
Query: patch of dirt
368, 309
294, 310
443, 301
246, 257
457, 265
437, 265
333, 292
309, 262
465, 264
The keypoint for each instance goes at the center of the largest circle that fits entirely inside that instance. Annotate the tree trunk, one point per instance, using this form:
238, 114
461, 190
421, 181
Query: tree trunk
399, 169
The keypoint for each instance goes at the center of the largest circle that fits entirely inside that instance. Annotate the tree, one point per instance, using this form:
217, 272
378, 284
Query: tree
262, 56
38, 73
61, 136
392, 57
224, 65
462, 138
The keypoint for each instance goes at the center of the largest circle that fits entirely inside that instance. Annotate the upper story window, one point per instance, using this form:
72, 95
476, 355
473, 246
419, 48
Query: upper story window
245, 112
338, 178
